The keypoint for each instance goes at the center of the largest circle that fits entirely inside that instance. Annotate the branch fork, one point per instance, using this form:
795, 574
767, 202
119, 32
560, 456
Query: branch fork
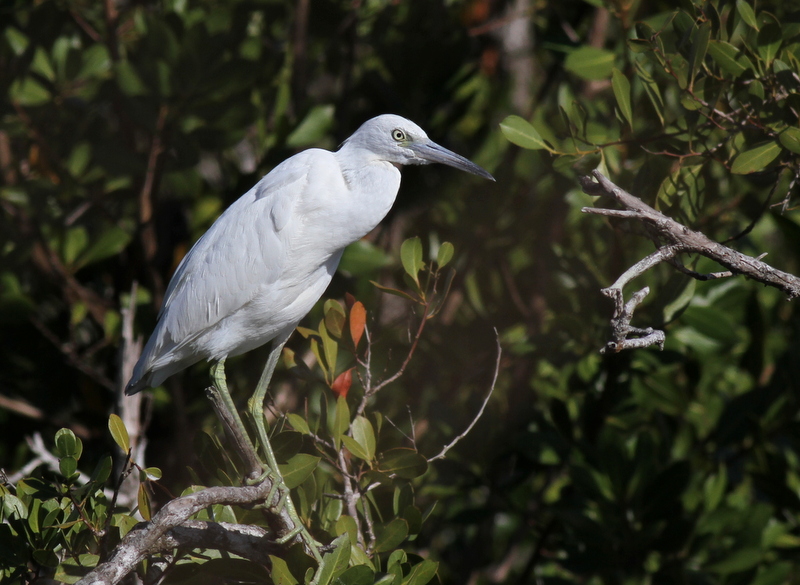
671, 239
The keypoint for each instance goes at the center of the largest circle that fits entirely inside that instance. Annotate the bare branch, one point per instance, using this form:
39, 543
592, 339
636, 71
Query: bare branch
671, 239
148, 537
452, 443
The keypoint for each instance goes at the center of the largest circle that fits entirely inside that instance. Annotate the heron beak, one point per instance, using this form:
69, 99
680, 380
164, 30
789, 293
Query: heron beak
430, 152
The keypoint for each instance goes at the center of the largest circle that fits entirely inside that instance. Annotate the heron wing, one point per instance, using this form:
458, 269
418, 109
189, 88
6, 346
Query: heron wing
243, 251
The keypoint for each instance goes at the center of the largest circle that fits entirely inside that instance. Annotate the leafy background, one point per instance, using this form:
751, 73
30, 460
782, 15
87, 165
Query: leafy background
127, 128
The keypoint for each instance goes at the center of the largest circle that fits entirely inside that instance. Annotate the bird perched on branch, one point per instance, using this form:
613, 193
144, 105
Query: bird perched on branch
266, 261
269, 257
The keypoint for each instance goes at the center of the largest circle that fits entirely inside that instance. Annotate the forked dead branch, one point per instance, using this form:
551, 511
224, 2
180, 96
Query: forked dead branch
671, 239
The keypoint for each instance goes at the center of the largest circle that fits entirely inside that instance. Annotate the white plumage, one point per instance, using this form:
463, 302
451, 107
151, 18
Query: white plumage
269, 257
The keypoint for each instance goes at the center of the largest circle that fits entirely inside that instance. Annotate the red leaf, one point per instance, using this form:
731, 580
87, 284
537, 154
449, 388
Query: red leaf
341, 385
349, 300
358, 319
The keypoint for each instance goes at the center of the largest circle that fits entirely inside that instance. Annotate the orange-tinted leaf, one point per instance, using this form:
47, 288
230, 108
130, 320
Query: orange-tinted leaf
341, 385
358, 319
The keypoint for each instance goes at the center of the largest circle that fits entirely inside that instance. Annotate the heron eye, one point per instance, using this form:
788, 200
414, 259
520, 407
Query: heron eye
398, 134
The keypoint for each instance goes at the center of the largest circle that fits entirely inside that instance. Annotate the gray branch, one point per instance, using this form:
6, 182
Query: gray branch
671, 239
152, 537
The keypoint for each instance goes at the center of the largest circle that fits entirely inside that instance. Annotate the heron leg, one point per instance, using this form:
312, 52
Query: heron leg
255, 407
221, 384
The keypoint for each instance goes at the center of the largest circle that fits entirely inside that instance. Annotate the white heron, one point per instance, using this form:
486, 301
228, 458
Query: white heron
269, 257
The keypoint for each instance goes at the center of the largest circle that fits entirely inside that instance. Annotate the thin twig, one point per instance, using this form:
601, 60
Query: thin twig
452, 444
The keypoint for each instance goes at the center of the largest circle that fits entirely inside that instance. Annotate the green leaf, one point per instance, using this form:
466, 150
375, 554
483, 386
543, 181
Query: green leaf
102, 470
356, 575
740, 560
144, 502
128, 79
96, 61
356, 449
590, 63
421, 573
298, 423
699, 48
769, 42
362, 258
297, 469
330, 348
29, 92
68, 466
110, 243
445, 254
119, 433
756, 158
314, 127
341, 420
747, 13
519, 131
681, 302
389, 536
364, 435
335, 562
280, 573
347, 525
404, 463
153, 473
67, 444
334, 317
653, 92
729, 58
75, 241
622, 91
393, 291
411, 257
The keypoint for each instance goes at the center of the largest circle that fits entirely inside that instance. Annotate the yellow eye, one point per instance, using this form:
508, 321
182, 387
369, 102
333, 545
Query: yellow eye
398, 135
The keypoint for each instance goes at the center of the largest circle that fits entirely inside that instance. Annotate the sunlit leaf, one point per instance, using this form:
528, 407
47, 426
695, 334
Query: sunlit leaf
364, 434
280, 573
445, 254
520, 132
143, 499
730, 59
335, 562
119, 433
748, 15
756, 158
298, 423
421, 573
411, 257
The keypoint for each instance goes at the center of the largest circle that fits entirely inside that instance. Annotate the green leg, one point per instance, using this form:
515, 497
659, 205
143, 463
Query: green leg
256, 404
221, 384
255, 407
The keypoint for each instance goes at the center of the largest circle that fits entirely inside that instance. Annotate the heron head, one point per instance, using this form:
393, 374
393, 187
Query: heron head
401, 142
